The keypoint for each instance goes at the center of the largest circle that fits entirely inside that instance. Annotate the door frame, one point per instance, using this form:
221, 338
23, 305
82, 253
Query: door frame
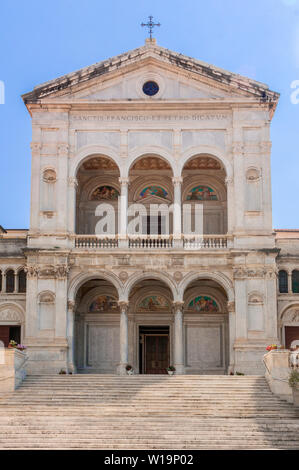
141, 366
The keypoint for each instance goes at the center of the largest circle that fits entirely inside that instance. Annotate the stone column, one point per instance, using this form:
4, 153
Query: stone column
72, 188
230, 205
4, 281
240, 280
232, 335
178, 338
290, 290
123, 338
70, 336
31, 321
61, 201
177, 212
16, 286
61, 272
239, 182
123, 213
35, 186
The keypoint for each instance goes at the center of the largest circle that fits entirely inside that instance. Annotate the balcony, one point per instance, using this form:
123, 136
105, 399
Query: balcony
152, 242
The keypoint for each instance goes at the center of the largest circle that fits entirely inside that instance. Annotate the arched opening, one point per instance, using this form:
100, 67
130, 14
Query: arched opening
11, 323
204, 184
97, 340
283, 282
289, 323
151, 328
206, 322
22, 281
10, 281
150, 186
295, 281
97, 183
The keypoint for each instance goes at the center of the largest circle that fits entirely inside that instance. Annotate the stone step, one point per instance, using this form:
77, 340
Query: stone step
146, 412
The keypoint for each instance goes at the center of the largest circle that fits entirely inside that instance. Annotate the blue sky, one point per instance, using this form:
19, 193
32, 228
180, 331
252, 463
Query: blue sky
41, 40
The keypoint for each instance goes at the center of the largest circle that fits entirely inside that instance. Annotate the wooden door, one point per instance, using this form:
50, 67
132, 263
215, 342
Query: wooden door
4, 335
291, 334
156, 354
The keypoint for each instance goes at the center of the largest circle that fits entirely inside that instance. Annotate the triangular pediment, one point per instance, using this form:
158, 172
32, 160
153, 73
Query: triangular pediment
121, 78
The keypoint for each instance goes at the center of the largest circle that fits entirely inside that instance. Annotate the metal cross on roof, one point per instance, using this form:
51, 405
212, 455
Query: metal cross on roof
150, 25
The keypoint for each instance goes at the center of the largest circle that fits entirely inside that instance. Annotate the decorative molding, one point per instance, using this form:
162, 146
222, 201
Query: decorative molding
291, 316
100, 163
47, 272
237, 147
151, 163
202, 163
9, 314
35, 147
177, 307
61, 271
123, 276
48, 214
124, 306
177, 261
31, 271
124, 260
253, 174
255, 298
178, 276
177, 180
71, 305
73, 182
124, 181
46, 297
62, 148
49, 175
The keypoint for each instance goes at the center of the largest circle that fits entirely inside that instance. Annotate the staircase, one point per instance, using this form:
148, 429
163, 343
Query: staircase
146, 412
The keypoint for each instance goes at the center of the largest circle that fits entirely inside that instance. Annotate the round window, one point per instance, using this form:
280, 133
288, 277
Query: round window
150, 88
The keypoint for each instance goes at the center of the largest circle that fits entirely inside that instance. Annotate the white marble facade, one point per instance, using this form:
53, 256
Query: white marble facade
87, 306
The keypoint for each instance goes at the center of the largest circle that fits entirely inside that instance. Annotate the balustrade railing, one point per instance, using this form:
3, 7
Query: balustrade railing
205, 242
189, 242
94, 241
150, 241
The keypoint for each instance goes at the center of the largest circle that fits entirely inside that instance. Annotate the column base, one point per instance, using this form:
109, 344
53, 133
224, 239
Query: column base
121, 369
71, 369
179, 369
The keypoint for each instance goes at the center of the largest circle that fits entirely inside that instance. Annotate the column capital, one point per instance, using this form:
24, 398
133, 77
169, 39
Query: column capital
71, 305
124, 306
124, 181
177, 180
35, 147
231, 307
73, 182
178, 306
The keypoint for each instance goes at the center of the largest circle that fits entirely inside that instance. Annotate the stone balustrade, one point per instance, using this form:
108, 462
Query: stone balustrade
277, 363
205, 242
150, 241
12, 369
95, 241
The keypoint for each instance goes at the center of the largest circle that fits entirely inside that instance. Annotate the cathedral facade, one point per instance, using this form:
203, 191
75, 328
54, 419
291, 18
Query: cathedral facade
150, 240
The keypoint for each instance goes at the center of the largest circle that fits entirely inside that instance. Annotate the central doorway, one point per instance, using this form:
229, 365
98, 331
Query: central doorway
154, 349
